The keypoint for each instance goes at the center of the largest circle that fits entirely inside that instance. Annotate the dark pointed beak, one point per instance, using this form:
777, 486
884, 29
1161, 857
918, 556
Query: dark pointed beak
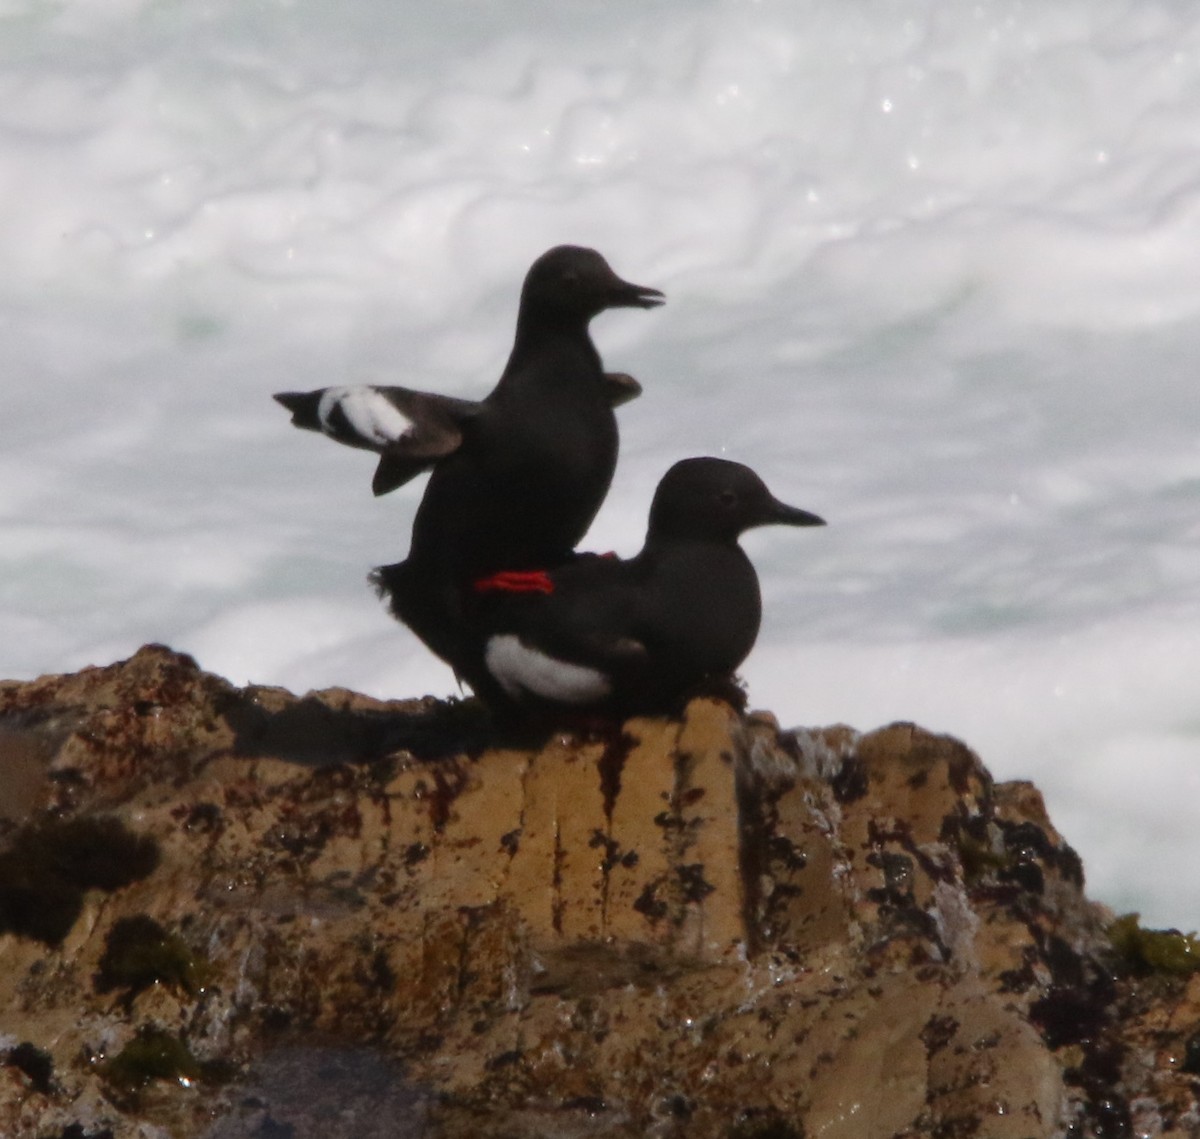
625, 295
792, 515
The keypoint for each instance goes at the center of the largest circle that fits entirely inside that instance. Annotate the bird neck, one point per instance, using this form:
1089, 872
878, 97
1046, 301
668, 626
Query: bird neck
690, 525
537, 328
544, 353
664, 547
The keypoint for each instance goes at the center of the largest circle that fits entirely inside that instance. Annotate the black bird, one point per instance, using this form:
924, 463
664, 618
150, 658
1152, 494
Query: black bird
409, 430
532, 462
637, 636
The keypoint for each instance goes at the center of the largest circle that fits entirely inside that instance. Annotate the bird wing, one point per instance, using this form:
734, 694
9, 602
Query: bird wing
596, 648
409, 430
437, 423
620, 387
592, 628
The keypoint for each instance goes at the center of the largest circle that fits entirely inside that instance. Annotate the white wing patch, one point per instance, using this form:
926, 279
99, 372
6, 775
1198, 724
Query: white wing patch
372, 415
522, 671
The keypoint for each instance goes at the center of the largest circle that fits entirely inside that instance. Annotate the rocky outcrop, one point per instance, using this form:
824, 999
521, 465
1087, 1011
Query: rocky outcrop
234, 912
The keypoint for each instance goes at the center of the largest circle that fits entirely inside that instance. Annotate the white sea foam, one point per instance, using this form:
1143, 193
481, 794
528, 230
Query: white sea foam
930, 268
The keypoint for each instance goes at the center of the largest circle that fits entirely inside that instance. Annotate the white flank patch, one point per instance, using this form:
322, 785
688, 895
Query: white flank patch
372, 415
521, 670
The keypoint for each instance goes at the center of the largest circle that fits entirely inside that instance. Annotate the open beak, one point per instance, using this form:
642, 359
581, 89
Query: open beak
625, 295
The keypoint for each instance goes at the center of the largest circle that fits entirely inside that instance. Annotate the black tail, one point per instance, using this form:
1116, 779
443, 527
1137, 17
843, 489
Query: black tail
431, 607
303, 406
388, 583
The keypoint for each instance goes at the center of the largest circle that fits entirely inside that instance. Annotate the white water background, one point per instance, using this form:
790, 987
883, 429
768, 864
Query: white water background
933, 270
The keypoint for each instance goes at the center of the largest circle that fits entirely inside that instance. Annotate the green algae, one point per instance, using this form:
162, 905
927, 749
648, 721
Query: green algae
140, 953
151, 1055
1155, 950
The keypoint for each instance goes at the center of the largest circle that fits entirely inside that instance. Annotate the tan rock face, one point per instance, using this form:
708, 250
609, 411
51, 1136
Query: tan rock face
341, 916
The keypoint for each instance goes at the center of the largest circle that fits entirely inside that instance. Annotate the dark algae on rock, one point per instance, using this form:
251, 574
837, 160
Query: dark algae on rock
49, 865
139, 953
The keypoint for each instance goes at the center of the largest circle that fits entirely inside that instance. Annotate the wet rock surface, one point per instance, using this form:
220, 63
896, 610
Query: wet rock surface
235, 912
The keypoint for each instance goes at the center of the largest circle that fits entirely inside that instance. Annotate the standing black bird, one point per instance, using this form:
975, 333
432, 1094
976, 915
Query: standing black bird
617, 636
518, 477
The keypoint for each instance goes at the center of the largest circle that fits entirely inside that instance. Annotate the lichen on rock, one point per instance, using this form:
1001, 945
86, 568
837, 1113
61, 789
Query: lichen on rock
701, 927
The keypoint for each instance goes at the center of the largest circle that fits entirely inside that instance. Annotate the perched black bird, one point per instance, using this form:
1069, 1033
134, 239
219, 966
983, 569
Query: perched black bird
521, 474
409, 430
605, 634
